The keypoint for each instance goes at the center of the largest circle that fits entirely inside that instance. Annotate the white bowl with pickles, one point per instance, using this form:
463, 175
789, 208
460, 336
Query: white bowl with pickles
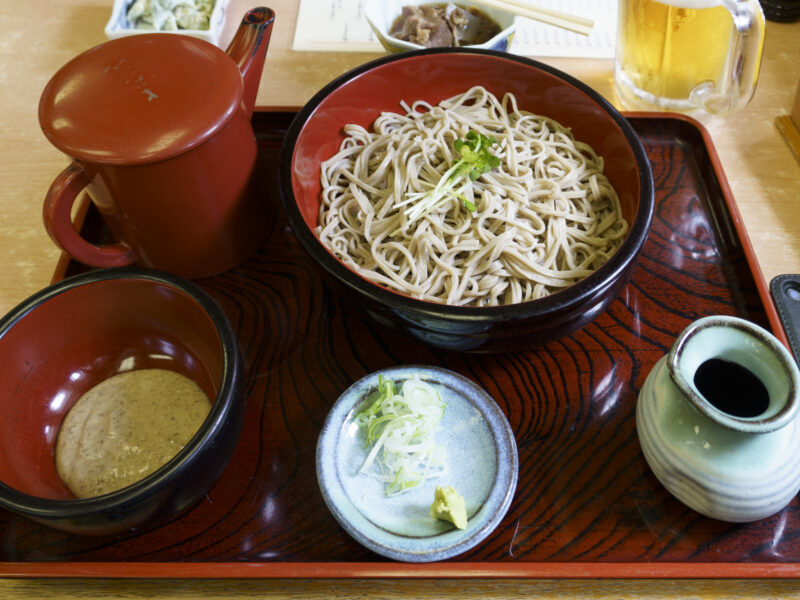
204, 19
417, 463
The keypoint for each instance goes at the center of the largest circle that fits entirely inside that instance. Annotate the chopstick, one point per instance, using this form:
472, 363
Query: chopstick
545, 15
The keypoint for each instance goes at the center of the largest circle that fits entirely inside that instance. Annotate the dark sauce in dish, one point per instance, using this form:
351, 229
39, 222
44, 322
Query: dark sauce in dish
444, 25
731, 388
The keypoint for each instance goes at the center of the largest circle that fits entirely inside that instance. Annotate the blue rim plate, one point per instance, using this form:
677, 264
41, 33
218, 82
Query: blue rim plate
482, 466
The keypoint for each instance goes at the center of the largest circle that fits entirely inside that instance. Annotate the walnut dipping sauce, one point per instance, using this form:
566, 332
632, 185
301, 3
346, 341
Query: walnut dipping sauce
444, 25
125, 428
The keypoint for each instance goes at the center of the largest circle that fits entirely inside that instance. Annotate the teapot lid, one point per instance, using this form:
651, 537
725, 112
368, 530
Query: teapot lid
140, 99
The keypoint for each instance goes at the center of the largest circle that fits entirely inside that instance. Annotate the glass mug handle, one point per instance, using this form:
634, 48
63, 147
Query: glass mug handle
744, 60
57, 215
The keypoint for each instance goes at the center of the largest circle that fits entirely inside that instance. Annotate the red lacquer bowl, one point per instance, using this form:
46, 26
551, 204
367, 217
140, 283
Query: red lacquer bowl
433, 75
69, 337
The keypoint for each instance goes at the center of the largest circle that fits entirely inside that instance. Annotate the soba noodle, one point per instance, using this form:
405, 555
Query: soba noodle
546, 218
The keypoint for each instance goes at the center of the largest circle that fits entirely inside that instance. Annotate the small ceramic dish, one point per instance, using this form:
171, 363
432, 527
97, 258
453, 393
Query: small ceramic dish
482, 467
119, 26
381, 15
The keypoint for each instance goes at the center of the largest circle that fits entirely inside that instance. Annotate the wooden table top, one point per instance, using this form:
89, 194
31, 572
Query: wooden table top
35, 42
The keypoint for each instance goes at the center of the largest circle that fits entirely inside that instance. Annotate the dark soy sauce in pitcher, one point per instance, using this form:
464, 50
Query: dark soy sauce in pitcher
731, 388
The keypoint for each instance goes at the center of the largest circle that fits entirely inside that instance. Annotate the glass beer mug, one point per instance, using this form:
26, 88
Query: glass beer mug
684, 55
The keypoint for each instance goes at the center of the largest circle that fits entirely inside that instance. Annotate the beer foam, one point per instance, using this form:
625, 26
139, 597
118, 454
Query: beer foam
695, 4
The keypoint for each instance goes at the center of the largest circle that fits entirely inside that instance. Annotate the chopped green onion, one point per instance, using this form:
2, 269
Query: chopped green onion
400, 427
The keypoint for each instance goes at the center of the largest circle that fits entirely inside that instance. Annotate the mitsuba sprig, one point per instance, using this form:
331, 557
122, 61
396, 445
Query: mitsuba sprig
475, 160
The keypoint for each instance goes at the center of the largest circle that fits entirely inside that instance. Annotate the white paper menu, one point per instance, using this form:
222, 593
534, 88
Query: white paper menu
340, 26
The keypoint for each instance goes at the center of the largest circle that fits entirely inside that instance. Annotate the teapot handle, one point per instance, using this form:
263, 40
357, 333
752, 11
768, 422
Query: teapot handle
57, 215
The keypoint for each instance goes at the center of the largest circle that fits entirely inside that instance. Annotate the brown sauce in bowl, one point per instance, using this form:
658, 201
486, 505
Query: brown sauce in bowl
444, 25
125, 428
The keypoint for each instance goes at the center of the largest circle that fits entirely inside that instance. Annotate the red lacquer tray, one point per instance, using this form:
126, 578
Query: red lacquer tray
586, 505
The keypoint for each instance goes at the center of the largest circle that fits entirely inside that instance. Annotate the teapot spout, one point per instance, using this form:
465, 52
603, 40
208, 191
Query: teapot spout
248, 49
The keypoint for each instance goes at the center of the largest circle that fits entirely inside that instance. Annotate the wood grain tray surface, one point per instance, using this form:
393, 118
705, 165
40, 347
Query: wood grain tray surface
586, 505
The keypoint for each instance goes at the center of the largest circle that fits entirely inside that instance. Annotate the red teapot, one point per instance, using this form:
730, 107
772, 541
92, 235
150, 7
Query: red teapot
158, 129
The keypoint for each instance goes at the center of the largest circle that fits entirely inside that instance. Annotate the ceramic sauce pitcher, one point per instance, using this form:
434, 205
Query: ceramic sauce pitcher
158, 129
719, 423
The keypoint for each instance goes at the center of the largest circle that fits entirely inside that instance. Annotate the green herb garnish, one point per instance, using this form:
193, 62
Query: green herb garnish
475, 160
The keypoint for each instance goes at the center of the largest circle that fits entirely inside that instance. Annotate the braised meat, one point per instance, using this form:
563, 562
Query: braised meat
443, 25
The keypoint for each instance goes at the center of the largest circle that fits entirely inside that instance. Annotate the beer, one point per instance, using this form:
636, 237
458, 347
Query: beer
674, 54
